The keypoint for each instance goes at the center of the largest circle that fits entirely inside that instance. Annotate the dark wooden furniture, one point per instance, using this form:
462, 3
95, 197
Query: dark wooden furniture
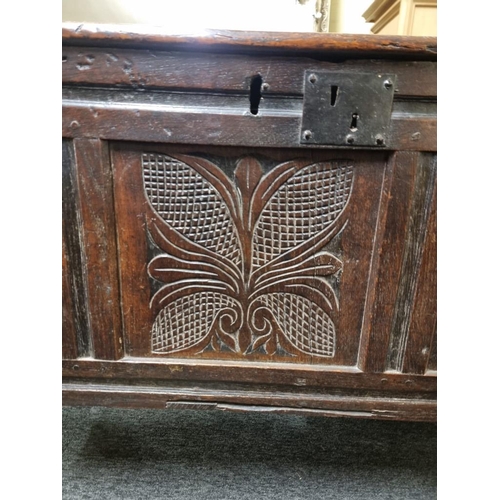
249, 222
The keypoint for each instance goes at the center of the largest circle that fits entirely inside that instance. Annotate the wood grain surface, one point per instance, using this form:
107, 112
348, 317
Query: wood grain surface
335, 45
211, 259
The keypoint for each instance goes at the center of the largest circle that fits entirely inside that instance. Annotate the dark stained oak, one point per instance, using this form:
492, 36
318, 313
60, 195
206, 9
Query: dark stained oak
314, 379
354, 241
340, 45
213, 259
422, 333
420, 209
258, 400
399, 187
432, 362
148, 89
406, 267
69, 340
77, 341
112, 122
225, 72
99, 244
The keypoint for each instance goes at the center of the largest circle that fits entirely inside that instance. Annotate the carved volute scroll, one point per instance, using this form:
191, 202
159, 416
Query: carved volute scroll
241, 261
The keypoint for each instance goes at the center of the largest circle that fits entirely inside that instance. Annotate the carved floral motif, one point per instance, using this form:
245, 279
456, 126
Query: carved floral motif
242, 265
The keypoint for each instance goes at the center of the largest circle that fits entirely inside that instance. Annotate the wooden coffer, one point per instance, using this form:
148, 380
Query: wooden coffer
249, 222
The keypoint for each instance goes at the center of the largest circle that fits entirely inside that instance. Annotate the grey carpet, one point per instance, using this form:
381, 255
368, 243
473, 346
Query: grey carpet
153, 454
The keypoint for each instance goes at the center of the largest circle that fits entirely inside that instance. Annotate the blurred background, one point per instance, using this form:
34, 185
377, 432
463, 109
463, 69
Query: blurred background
385, 17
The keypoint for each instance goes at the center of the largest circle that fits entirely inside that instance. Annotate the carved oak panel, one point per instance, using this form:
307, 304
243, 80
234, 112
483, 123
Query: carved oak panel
239, 254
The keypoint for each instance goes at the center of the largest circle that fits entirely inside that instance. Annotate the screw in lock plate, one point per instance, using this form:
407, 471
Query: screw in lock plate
379, 140
307, 134
349, 139
313, 78
388, 84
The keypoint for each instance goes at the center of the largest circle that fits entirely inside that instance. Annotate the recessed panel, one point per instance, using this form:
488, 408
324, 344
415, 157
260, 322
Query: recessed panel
244, 255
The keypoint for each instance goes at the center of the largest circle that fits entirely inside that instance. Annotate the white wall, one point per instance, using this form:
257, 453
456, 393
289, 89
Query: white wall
193, 15
352, 18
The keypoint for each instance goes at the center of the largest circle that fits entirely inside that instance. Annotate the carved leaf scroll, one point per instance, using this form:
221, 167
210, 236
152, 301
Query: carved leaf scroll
242, 261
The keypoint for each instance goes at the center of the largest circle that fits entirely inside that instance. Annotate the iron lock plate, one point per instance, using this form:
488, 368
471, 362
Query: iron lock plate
351, 109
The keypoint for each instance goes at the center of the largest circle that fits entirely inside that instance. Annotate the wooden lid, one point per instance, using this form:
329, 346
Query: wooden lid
325, 45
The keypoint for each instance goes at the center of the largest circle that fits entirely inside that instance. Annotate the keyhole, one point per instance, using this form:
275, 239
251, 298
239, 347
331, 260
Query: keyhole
255, 94
354, 122
333, 95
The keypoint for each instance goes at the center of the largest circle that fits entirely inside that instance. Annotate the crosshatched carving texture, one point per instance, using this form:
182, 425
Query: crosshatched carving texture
190, 204
242, 268
300, 208
190, 317
293, 313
